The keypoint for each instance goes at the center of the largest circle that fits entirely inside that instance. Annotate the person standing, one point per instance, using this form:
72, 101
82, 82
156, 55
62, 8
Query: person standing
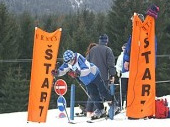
90, 107
103, 57
91, 45
132, 63
126, 57
123, 75
152, 11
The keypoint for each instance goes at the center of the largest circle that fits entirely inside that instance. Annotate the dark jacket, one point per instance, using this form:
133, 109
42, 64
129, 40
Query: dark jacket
102, 56
126, 57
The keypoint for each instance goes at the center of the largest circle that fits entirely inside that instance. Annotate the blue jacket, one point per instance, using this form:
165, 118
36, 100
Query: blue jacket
88, 71
127, 51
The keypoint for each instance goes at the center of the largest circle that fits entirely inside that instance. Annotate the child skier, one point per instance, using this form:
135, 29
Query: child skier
89, 75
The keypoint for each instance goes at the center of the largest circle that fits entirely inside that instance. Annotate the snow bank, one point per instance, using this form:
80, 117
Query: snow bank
19, 119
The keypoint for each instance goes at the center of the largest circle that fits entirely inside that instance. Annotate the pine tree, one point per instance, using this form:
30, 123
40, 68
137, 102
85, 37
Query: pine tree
27, 35
119, 24
163, 36
14, 91
101, 24
8, 34
78, 31
80, 38
8, 40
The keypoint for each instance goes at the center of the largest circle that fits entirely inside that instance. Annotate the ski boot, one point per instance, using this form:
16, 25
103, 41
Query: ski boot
98, 114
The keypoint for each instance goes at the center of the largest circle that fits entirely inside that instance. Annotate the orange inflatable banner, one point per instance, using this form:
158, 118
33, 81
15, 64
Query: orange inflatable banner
45, 53
141, 85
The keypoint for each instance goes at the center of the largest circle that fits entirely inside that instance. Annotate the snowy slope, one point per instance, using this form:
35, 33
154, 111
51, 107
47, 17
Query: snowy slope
19, 119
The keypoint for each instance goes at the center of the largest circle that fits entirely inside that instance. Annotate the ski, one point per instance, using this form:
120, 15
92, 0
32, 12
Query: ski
80, 114
70, 122
97, 119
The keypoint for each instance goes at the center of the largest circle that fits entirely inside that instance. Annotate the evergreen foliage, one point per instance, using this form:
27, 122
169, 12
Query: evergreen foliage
26, 35
8, 39
163, 37
14, 91
8, 34
79, 29
119, 25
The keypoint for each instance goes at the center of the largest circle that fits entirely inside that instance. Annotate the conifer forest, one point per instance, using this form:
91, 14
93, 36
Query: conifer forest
79, 29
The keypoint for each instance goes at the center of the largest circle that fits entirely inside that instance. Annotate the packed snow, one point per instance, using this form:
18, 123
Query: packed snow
19, 119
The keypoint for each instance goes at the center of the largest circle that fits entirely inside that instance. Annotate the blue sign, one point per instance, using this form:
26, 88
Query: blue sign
61, 103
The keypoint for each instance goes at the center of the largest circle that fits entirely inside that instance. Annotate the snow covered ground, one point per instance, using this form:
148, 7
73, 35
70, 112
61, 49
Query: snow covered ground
19, 119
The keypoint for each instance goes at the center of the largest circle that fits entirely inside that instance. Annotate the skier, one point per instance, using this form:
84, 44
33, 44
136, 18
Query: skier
89, 75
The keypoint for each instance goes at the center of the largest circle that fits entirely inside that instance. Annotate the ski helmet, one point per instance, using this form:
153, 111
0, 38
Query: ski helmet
68, 55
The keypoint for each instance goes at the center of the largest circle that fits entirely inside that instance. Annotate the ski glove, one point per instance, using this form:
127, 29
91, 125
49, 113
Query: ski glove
54, 72
119, 74
74, 74
153, 11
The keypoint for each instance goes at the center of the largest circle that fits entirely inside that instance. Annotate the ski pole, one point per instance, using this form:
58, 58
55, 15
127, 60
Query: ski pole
86, 91
82, 88
120, 94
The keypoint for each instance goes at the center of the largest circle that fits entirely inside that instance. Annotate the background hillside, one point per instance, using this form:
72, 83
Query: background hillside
59, 6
